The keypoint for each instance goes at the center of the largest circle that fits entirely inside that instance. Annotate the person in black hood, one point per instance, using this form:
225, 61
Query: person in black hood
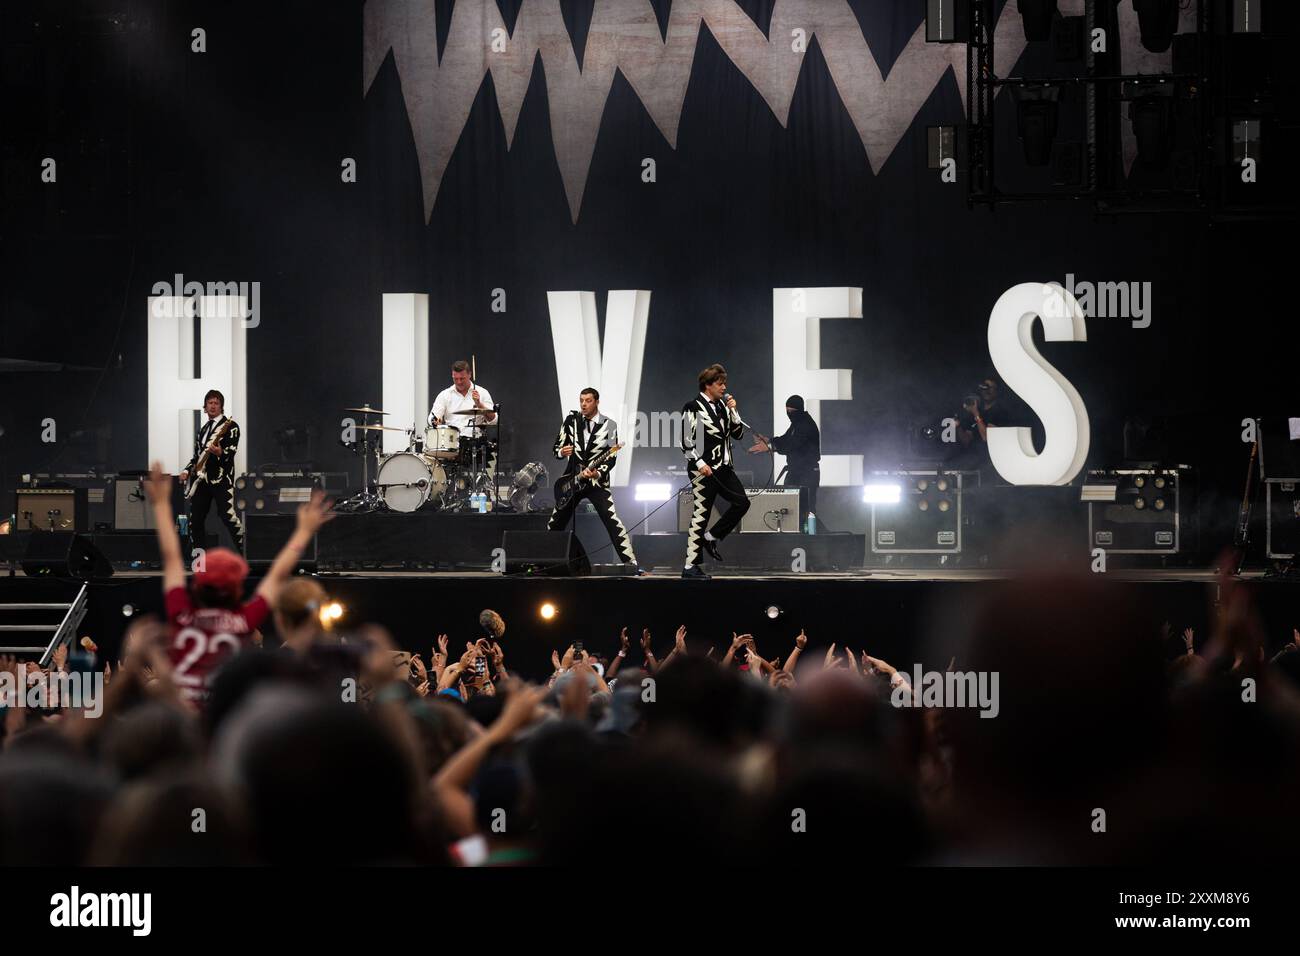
802, 447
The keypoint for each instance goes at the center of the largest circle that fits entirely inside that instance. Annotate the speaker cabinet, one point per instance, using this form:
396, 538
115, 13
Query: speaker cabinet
63, 554
545, 553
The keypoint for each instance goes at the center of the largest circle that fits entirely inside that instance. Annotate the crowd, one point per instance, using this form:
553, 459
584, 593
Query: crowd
288, 742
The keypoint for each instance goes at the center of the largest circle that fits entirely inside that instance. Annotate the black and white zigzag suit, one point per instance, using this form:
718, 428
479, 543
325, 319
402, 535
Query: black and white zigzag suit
587, 438
719, 426
219, 489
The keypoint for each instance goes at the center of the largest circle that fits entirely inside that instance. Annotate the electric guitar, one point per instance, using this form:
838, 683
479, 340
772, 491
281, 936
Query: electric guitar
570, 483
200, 472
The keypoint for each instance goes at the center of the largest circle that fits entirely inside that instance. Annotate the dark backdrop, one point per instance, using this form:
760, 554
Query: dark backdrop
225, 166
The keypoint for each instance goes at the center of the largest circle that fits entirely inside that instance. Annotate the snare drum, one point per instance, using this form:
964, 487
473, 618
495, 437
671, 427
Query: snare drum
442, 441
408, 481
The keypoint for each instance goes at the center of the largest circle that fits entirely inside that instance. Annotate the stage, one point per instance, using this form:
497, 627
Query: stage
904, 616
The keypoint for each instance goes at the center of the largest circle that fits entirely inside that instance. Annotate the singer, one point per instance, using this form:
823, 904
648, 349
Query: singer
710, 466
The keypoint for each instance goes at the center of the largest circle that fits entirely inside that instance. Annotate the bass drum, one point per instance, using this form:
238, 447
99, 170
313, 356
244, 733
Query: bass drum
407, 481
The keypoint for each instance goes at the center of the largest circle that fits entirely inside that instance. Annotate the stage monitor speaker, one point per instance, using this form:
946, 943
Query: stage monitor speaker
63, 554
545, 553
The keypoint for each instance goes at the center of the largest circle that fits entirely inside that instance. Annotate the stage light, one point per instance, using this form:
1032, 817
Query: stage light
1139, 482
1157, 22
941, 484
241, 504
923, 505
653, 491
1152, 118
1160, 482
946, 21
922, 485
882, 493
944, 504
940, 146
772, 612
1037, 16
1245, 141
1159, 504
329, 613
547, 611
1245, 16
1139, 503
1037, 110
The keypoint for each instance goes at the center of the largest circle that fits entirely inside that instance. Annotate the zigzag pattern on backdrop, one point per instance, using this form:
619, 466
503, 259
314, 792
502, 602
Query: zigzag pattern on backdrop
624, 35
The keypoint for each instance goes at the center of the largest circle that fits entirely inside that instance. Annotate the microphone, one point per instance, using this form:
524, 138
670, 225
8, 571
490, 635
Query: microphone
727, 396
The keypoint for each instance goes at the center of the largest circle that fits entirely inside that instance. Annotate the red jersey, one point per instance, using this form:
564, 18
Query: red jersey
204, 638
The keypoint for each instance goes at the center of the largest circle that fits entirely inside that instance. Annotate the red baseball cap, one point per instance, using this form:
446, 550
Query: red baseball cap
223, 570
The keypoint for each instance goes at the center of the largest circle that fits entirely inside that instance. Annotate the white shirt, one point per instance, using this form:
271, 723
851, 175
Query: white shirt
449, 400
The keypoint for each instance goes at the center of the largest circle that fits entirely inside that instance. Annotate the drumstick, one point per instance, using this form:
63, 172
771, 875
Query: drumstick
473, 368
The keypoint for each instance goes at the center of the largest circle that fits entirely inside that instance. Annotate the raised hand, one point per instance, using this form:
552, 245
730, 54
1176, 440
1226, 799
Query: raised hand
645, 640
158, 487
316, 512
829, 661
883, 666
801, 640
517, 711
680, 639
555, 660
623, 640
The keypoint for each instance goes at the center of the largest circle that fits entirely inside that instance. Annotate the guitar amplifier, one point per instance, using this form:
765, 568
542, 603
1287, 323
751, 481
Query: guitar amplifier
50, 509
770, 509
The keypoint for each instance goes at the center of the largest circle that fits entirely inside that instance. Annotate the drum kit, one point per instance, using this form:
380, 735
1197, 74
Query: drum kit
440, 469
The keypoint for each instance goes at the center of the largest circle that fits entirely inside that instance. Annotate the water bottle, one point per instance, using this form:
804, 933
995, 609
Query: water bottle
478, 501
183, 525
812, 523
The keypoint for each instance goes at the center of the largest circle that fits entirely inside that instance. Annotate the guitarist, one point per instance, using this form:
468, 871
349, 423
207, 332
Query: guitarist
216, 483
583, 434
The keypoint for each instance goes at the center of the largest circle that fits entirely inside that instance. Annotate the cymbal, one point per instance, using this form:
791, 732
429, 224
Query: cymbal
366, 410
377, 428
473, 411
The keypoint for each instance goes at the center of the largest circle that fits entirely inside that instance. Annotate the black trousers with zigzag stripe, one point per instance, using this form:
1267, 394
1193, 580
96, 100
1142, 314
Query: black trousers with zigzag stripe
704, 493
603, 502
222, 494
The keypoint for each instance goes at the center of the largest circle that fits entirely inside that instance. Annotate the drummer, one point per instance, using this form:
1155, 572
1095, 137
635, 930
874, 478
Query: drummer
462, 396
465, 396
